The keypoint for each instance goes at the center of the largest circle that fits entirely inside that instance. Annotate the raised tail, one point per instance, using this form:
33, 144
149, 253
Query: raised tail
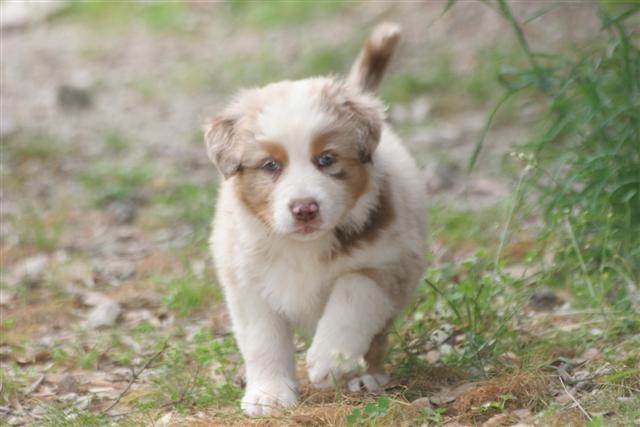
368, 70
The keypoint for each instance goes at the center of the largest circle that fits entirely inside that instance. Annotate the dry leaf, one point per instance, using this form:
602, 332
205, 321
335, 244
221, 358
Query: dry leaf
422, 402
448, 395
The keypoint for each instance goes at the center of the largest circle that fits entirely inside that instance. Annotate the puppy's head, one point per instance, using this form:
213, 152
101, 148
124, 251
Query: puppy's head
298, 153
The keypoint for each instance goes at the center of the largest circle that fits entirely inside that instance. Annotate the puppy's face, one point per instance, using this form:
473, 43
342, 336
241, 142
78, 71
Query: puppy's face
298, 153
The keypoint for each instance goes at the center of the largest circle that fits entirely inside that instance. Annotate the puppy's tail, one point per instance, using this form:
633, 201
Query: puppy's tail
368, 70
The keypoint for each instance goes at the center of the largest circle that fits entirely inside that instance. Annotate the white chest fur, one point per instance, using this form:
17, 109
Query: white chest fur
293, 280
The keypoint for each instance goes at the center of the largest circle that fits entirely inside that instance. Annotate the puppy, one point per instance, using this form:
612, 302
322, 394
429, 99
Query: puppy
319, 226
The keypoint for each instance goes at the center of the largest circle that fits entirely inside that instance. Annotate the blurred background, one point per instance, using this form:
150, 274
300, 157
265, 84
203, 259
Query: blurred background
524, 116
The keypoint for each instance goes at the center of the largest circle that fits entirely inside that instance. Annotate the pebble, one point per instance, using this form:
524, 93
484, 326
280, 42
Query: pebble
446, 349
31, 270
543, 299
115, 271
440, 176
103, 315
122, 212
432, 356
422, 402
73, 98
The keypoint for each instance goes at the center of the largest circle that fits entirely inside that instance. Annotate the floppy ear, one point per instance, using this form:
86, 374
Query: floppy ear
367, 115
222, 147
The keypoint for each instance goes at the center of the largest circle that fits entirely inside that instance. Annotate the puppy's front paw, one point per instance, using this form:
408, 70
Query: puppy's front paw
262, 399
324, 367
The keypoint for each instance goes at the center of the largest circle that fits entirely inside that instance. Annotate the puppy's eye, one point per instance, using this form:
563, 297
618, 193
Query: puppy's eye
326, 160
271, 166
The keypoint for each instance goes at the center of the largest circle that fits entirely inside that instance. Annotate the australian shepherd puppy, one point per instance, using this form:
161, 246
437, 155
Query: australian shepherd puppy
319, 227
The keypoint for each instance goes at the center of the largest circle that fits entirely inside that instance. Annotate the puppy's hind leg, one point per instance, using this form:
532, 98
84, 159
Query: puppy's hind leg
375, 377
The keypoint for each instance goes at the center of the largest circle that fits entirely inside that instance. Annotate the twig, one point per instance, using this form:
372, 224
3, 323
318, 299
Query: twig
586, 414
186, 391
136, 375
34, 386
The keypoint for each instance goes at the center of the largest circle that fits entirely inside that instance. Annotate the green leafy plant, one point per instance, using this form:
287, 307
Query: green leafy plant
371, 412
434, 415
585, 155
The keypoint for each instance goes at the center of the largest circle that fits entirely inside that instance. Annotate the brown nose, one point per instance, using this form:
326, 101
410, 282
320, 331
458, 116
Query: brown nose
304, 209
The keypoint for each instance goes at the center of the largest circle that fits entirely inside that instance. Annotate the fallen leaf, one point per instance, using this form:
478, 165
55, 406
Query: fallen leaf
304, 419
496, 420
68, 384
522, 414
422, 402
509, 358
590, 353
448, 395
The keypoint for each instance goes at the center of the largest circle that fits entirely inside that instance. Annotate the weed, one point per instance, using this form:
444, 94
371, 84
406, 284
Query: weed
586, 157
12, 382
434, 415
59, 415
370, 413
188, 293
181, 380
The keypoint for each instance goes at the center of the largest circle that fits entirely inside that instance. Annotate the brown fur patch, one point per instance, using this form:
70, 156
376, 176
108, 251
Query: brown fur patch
348, 166
253, 184
358, 115
375, 354
393, 280
380, 217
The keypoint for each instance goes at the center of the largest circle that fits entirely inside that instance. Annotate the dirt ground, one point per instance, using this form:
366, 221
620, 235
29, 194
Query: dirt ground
107, 194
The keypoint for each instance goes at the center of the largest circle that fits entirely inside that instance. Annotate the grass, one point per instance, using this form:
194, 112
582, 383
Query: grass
586, 158
165, 16
38, 229
107, 183
188, 294
579, 192
282, 12
182, 203
33, 147
178, 17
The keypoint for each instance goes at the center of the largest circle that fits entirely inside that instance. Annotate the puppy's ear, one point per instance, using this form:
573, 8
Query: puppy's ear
367, 115
356, 112
222, 147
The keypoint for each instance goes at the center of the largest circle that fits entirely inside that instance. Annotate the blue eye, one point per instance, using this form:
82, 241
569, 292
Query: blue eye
326, 159
271, 166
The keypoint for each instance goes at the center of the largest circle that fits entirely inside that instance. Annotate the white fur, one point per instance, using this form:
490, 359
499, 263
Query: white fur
274, 280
